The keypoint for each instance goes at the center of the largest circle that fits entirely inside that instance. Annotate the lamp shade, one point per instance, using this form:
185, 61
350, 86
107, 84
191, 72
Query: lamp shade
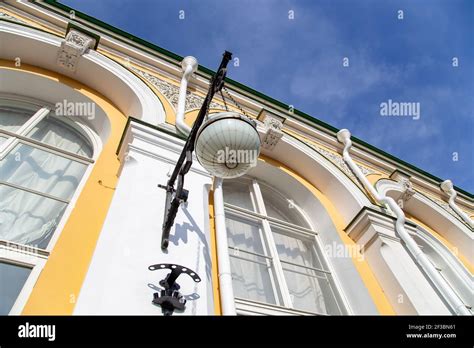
228, 145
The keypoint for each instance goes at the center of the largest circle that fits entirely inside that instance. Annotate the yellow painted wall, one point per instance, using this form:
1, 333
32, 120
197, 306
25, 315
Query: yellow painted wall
373, 178
215, 269
59, 283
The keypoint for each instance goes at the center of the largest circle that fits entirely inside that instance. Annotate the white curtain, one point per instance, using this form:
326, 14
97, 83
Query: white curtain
54, 132
250, 274
238, 194
309, 292
30, 218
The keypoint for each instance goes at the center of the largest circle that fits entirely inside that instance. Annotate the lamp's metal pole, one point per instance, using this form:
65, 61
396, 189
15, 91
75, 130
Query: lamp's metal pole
174, 197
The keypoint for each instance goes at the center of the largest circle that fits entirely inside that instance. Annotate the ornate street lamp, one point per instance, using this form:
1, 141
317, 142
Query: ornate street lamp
227, 146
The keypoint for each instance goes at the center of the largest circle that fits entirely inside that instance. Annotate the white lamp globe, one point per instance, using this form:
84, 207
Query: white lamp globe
228, 145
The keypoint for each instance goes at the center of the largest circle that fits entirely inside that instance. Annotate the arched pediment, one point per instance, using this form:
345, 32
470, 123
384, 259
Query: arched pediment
433, 215
35, 47
344, 194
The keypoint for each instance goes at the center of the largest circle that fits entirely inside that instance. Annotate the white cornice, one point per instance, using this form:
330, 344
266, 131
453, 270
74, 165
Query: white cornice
155, 144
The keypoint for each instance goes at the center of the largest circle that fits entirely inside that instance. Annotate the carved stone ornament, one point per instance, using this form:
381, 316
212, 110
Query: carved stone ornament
171, 92
72, 48
408, 190
273, 134
11, 18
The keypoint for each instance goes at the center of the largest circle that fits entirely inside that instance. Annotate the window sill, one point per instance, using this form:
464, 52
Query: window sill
247, 307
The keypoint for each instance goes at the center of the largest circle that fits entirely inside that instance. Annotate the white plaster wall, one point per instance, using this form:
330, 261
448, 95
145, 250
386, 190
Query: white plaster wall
402, 280
118, 280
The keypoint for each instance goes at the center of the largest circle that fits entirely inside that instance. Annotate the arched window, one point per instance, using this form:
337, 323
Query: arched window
43, 157
275, 257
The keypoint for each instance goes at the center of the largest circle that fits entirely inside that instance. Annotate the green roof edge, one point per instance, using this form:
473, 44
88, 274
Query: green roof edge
239, 85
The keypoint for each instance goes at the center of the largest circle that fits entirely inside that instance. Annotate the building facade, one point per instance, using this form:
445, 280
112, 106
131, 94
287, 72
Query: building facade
324, 224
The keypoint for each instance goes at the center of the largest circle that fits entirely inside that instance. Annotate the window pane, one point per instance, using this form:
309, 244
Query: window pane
42, 171
238, 193
309, 289
11, 119
12, 279
57, 133
281, 208
251, 278
251, 274
28, 218
244, 234
294, 249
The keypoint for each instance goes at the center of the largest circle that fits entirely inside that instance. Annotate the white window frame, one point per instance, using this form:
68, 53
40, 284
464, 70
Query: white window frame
280, 288
25, 255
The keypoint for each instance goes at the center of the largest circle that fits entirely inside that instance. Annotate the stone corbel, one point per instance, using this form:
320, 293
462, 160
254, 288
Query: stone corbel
408, 190
74, 45
273, 125
407, 187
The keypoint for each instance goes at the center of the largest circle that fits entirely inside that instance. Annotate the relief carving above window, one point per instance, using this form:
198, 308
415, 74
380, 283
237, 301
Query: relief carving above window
171, 92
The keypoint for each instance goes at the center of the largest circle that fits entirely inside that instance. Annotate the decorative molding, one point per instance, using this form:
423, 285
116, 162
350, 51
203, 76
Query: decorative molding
370, 224
171, 92
72, 48
273, 133
399, 175
4, 15
337, 160
389, 185
152, 143
356, 197
442, 204
408, 190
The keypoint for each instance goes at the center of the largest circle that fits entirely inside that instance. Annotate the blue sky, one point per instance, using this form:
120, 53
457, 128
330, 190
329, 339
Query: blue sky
300, 62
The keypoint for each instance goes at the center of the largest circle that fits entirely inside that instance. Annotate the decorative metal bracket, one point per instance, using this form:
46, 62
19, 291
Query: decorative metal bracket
174, 197
170, 298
